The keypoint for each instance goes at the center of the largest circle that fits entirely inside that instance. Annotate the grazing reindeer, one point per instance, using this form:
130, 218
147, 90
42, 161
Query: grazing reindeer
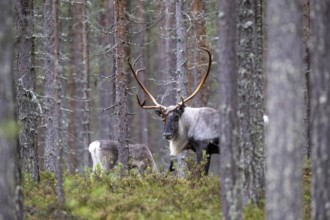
185, 127
105, 154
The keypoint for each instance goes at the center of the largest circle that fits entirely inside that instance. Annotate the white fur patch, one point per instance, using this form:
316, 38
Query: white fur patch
266, 119
93, 149
93, 146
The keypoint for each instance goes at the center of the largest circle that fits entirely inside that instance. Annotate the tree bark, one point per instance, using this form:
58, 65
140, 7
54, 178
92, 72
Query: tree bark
170, 46
11, 191
250, 92
320, 103
82, 82
121, 108
52, 90
230, 166
29, 106
307, 62
106, 91
141, 35
285, 105
72, 160
199, 59
53, 141
181, 69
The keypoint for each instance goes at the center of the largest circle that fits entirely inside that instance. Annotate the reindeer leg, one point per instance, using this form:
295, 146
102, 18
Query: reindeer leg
171, 168
207, 165
199, 153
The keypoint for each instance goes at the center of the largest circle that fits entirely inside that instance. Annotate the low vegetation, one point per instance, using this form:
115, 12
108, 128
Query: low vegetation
106, 196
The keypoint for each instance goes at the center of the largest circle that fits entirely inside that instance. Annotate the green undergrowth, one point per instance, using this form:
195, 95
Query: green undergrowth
106, 196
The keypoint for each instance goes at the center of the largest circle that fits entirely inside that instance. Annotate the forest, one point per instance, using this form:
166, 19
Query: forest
168, 109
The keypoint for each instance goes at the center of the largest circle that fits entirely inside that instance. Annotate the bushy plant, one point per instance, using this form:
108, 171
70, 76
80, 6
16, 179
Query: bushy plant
104, 195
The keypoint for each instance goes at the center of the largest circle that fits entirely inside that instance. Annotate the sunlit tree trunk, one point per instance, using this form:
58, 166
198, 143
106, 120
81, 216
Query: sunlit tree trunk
29, 106
230, 166
320, 103
285, 105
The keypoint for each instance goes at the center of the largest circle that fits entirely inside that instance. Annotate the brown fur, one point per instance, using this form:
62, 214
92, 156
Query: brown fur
105, 154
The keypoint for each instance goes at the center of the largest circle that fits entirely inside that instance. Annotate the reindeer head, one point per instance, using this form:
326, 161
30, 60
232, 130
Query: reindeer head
171, 121
171, 114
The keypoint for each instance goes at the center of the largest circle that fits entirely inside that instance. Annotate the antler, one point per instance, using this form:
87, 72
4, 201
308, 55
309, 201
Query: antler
202, 81
142, 104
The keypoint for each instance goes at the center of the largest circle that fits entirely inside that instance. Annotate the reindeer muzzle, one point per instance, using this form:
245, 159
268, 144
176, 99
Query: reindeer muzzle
167, 135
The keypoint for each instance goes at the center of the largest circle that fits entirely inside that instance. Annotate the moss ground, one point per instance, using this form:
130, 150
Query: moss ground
95, 196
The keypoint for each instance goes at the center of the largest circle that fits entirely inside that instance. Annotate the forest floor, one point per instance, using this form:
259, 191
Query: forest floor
94, 196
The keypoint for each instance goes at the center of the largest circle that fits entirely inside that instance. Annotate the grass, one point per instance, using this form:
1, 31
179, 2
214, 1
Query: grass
94, 196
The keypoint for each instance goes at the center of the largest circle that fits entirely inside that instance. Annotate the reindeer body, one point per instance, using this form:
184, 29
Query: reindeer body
195, 126
105, 154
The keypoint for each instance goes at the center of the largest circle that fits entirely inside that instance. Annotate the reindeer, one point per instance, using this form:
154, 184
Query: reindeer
186, 127
105, 154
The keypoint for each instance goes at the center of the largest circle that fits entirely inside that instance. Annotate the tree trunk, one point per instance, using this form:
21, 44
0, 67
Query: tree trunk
181, 69
72, 151
168, 72
121, 108
82, 83
29, 107
107, 71
250, 92
11, 191
307, 62
170, 45
285, 105
52, 95
140, 38
231, 176
199, 59
320, 102
53, 144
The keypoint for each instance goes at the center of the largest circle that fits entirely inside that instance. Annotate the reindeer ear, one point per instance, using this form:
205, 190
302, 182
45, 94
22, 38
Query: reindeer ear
181, 108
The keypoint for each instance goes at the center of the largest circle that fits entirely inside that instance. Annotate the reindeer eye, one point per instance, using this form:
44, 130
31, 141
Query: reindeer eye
158, 112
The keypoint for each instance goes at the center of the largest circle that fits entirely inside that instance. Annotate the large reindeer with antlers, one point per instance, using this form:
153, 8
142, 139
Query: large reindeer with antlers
186, 127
